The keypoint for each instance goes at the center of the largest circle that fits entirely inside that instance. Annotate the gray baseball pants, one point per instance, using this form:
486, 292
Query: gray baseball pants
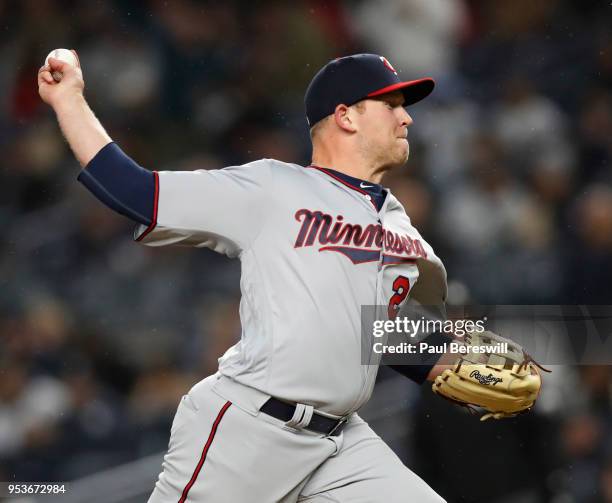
222, 449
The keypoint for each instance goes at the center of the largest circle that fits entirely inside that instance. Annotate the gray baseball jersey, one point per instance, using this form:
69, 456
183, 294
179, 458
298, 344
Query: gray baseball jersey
313, 250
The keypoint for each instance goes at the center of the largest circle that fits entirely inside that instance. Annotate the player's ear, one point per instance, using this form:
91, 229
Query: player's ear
343, 118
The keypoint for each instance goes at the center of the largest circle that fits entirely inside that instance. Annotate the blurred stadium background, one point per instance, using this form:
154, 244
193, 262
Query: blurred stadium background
509, 179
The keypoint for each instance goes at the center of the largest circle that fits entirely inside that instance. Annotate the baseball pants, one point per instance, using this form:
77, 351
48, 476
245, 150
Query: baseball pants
222, 449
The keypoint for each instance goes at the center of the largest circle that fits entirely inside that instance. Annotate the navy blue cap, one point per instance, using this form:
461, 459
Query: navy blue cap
354, 78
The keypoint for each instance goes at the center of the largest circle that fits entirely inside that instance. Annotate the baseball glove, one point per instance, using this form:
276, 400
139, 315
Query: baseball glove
505, 382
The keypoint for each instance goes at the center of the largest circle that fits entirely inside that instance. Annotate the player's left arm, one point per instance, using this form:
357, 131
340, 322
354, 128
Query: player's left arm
427, 366
446, 361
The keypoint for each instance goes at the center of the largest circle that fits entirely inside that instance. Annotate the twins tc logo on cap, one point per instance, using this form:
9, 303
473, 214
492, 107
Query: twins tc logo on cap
387, 64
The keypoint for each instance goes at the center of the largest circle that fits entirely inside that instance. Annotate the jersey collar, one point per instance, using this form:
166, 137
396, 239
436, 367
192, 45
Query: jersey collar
376, 191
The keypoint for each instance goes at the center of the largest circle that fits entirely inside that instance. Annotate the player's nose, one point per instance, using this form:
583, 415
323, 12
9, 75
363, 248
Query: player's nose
405, 118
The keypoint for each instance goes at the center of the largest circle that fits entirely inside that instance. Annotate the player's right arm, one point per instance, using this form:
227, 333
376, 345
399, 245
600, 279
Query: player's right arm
80, 127
113, 177
218, 209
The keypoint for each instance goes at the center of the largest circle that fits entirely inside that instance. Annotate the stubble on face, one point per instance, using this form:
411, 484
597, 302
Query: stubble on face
385, 155
381, 142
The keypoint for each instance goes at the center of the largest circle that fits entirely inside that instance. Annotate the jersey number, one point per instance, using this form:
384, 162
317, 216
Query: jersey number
401, 287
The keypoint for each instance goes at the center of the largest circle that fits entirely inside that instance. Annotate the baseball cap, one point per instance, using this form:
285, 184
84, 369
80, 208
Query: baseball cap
353, 78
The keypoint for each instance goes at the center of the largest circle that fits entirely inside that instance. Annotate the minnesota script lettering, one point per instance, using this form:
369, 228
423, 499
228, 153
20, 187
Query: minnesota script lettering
325, 229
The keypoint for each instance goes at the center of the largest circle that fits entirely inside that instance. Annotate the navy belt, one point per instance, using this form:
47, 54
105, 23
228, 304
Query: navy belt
321, 424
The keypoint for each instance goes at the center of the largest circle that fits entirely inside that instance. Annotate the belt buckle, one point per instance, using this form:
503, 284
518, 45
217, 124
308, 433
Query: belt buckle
340, 424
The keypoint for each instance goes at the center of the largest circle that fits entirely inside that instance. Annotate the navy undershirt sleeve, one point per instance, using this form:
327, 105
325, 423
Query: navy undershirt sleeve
422, 363
121, 184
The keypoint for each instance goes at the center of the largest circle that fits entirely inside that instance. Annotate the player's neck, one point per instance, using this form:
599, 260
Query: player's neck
354, 167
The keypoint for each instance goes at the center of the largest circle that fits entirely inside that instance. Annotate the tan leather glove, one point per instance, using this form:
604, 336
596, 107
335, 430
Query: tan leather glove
505, 382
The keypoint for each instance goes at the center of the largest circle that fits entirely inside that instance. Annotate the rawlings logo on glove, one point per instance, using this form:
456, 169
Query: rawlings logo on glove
485, 379
510, 386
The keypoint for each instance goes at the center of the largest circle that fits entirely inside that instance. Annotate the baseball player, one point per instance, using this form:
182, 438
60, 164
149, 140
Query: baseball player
278, 422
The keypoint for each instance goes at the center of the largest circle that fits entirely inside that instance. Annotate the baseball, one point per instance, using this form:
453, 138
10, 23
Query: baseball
63, 54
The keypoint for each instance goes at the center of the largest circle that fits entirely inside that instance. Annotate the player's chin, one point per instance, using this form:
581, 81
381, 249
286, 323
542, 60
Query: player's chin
396, 162
401, 153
